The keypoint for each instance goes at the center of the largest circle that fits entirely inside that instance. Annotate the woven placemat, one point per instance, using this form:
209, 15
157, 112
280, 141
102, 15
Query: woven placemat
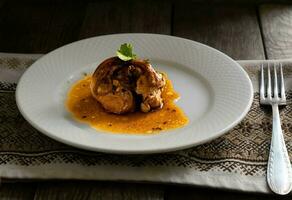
237, 160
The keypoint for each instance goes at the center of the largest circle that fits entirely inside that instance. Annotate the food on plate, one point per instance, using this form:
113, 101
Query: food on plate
126, 95
122, 87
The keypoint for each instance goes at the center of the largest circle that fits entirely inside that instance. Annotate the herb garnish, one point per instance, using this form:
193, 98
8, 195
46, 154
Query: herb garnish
125, 52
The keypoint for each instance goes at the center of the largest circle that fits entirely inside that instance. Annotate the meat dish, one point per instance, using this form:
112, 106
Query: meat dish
127, 86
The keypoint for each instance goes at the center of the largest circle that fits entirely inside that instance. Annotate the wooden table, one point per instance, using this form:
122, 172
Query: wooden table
242, 30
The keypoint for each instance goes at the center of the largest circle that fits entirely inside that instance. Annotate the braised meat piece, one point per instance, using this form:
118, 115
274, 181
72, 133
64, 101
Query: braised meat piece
123, 87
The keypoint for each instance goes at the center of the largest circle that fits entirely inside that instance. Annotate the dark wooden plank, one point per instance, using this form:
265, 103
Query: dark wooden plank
233, 29
62, 190
2, 2
106, 17
15, 191
64, 25
253, 2
39, 26
277, 30
192, 193
77, 190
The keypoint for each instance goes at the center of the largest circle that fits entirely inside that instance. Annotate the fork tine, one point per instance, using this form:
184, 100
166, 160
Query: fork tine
269, 90
262, 86
276, 94
283, 96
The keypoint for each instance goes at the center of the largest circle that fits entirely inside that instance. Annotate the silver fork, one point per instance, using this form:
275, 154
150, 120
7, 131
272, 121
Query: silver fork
279, 167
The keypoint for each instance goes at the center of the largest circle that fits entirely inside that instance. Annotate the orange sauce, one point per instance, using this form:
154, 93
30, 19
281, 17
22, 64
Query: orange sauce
86, 109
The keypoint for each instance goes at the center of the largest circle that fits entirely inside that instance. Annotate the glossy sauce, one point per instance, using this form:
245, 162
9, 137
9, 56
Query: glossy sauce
86, 109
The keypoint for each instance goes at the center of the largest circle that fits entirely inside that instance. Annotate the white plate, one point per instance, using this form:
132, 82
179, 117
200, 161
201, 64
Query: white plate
216, 93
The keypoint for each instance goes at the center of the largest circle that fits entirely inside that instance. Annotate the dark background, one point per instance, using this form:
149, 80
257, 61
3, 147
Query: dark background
242, 29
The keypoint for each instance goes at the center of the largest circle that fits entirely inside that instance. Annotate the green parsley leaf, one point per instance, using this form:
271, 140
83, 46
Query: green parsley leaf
125, 52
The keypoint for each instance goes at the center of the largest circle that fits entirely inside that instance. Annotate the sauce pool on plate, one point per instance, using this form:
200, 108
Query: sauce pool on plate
85, 108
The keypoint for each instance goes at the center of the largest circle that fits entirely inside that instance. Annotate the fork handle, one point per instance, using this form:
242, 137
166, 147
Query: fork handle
279, 166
